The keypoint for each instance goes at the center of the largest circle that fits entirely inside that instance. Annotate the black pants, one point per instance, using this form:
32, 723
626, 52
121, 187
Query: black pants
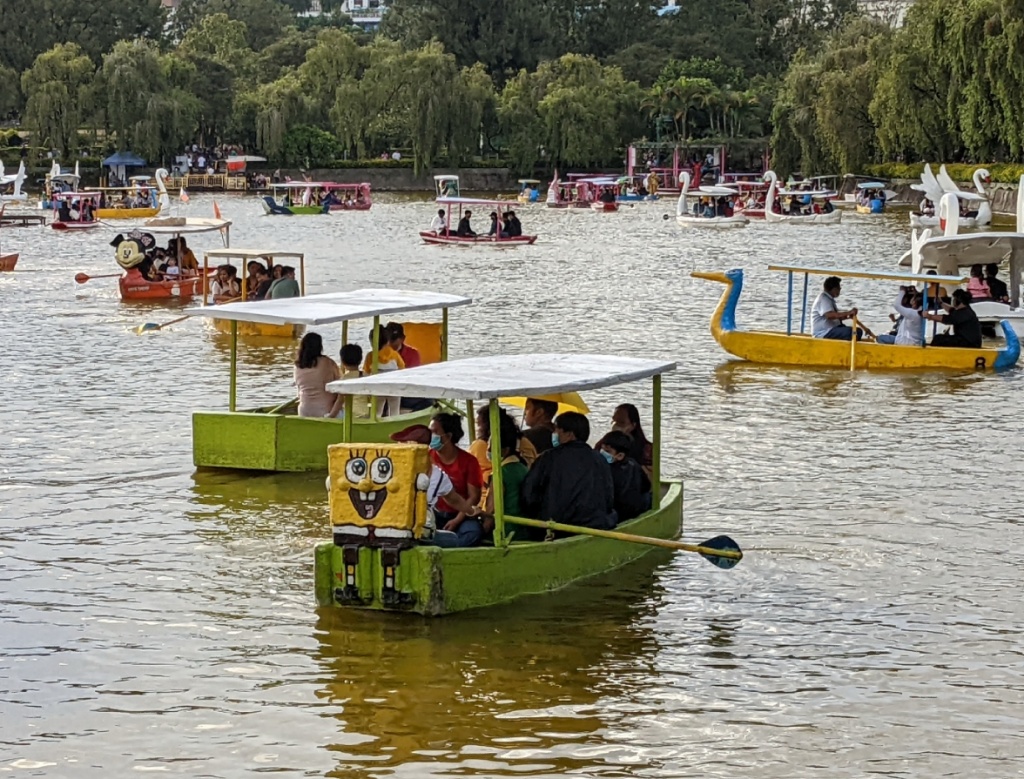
946, 339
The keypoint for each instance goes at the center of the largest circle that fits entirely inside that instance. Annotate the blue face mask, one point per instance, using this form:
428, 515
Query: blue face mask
554, 440
608, 456
435, 441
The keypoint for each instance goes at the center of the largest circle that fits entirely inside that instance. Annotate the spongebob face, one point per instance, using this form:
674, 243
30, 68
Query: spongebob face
370, 477
373, 493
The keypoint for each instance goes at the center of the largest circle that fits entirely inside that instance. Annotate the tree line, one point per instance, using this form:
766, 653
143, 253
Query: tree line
551, 82
944, 87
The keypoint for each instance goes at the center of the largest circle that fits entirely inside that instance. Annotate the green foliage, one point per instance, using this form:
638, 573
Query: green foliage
1001, 172
57, 87
264, 20
309, 147
10, 139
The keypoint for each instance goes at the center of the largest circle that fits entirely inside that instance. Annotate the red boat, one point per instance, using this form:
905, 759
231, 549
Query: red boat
75, 210
350, 197
8, 261
134, 286
443, 234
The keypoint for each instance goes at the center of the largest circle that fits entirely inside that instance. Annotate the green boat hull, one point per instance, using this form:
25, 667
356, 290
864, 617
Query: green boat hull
432, 581
260, 441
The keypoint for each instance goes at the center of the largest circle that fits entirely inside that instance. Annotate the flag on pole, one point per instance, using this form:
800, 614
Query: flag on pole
184, 195
216, 210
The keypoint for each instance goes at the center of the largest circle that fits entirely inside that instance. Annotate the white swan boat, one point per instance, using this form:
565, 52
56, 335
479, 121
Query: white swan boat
686, 217
822, 217
17, 196
949, 251
934, 187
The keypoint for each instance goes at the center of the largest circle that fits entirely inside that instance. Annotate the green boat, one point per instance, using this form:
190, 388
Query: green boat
380, 565
275, 438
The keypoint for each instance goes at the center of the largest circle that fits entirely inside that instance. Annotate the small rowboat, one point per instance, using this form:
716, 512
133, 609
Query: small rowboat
798, 348
447, 236
85, 203
820, 215
8, 261
602, 207
686, 218
141, 189
376, 563
274, 438
134, 286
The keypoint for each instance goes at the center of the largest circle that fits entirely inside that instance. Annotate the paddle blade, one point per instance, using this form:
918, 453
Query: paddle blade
81, 278
146, 328
724, 544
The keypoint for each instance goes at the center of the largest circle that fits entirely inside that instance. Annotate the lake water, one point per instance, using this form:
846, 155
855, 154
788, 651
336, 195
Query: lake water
158, 620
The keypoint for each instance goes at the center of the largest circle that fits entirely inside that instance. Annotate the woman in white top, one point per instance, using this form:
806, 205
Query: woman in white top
225, 286
910, 329
313, 371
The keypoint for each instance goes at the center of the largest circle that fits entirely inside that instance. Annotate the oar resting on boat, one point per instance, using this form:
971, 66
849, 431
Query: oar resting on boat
376, 559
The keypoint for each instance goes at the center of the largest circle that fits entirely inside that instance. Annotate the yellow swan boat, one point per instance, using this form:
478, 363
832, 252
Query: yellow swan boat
799, 348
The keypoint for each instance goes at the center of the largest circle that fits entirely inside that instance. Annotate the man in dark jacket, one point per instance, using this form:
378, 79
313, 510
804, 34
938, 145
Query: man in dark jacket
464, 230
632, 487
571, 483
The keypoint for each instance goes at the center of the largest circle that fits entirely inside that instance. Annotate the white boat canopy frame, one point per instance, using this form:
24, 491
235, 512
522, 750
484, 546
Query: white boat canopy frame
247, 256
493, 377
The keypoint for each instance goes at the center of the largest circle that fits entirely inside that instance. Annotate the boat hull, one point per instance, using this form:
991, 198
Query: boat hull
604, 207
74, 225
261, 441
8, 261
920, 221
871, 209
183, 289
480, 240
259, 329
126, 213
833, 218
720, 222
432, 581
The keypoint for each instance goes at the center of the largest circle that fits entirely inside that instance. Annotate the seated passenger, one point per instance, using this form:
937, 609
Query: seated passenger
351, 356
463, 470
314, 370
571, 483
977, 286
607, 196
966, 327
626, 419
909, 326
186, 259
464, 229
709, 210
631, 487
286, 286
539, 416
515, 227
997, 287
937, 295
513, 474
63, 211
225, 286
827, 319
387, 360
262, 284
493, 232
171, 269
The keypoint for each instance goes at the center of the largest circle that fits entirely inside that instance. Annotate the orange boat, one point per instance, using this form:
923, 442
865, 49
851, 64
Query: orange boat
131, 254
8, 261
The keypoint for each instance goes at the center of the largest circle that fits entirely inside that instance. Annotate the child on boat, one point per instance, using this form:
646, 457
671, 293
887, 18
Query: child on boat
171, 269
387, 360
351, 356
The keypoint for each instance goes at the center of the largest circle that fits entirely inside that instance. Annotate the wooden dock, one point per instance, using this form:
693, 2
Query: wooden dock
22, 220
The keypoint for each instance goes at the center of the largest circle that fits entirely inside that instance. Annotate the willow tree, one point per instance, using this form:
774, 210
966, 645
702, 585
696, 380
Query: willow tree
795, 134
336, 61
57, 93
274, 109
131, 74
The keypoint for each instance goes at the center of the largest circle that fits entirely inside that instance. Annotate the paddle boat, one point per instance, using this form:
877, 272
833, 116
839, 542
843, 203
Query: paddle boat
349, 197
80, 212
56, 182
604, 195
949, 253
529, 191
15, 182
7, 261
130, 253
872, 197
446, 185
800, 348
803, 200
378, 510
751, 197
633, 189
975, 208
213, 258
720, 198
297, 198
274, 437
569, 194
141, 199
447, 236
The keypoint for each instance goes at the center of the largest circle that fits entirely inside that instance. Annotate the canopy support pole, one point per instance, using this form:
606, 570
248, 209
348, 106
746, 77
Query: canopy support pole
789, 304
344, 333
803, 308
374, 363
346, 427
497, 487
656, 448
470, 420
302, 274
206, 277
444, 335
924, 322
234, 364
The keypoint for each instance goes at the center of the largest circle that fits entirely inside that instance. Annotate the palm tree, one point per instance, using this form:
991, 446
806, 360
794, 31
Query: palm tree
688, 93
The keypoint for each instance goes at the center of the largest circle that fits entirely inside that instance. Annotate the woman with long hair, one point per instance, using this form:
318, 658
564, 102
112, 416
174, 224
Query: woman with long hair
626, 419
313, 371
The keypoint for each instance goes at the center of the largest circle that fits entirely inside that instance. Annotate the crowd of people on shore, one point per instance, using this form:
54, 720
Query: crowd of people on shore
953, 310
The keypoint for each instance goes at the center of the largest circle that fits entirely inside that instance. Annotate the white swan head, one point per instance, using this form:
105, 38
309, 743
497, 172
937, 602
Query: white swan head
684, 186
949, 214
981, 178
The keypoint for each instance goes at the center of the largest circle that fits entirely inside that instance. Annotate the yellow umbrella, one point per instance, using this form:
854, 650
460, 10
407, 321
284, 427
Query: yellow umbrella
567, 401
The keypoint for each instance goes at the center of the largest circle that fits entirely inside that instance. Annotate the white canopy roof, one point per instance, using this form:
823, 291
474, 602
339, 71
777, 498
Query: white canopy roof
811, 192
248, 254
173, 226
967, 249
713, 191
474, 201
506, 375
866, 274
330, 307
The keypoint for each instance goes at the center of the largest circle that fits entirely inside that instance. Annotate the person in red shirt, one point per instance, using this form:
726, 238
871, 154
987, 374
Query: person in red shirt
463, 470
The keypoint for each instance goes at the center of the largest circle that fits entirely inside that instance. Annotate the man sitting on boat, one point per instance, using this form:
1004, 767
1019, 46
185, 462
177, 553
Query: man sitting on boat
514, 226
437, 224
285, 286
827, 319
465, 230
997, 287
966, 327
571, 483
909, 327
539, 415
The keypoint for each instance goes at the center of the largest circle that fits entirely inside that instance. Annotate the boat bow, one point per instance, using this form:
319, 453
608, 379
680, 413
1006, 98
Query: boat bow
724, 318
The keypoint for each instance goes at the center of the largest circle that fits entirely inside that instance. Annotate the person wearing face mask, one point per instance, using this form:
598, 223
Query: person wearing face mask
513, 473
572, 483
626, 419
463, 471
632, 488
539, 417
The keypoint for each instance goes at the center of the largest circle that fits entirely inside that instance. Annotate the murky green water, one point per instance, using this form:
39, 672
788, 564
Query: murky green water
153, 619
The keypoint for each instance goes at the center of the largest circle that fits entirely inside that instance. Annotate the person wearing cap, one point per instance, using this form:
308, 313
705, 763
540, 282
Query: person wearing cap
571, 483
514, 226
412, 359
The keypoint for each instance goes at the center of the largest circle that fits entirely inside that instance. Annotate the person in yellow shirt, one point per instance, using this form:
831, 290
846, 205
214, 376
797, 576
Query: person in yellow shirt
388, 359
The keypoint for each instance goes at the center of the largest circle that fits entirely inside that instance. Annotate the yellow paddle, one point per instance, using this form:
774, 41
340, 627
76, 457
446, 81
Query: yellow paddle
720, 550
853, 345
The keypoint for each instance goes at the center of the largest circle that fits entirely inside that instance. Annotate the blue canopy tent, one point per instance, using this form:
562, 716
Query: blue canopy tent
118, 163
